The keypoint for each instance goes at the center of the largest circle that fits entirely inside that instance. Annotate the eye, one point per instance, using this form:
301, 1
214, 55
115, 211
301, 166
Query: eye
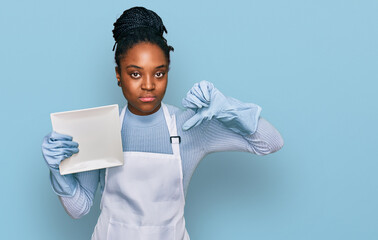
160, 74
135, 75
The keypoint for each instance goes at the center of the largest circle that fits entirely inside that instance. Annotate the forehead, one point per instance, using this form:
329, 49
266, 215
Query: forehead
144, 53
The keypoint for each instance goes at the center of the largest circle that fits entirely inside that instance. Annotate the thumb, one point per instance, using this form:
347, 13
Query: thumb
192, 122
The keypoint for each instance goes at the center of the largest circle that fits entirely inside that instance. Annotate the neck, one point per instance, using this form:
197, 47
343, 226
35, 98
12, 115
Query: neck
135, 111
145, 120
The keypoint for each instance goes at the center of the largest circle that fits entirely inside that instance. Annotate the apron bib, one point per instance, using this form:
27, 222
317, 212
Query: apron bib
144, 198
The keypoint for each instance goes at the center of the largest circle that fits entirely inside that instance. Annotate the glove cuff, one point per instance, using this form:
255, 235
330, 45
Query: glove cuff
240, 117
63, 185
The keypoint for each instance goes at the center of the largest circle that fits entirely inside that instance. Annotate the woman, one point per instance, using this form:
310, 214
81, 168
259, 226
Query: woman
145, 198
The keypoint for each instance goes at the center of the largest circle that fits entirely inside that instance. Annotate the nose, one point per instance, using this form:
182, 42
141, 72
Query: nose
148, 83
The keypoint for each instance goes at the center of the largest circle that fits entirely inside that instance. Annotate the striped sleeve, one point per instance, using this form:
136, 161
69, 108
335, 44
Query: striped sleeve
265, 140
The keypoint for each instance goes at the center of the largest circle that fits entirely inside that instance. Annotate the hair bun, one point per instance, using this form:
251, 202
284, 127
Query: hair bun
137, 19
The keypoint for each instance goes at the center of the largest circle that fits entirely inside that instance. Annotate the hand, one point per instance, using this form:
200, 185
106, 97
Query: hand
206, 100
209, 102
57, 147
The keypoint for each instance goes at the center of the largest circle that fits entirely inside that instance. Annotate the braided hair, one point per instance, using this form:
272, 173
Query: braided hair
136, 25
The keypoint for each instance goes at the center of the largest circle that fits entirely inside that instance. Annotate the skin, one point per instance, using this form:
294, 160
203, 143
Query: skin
143, 77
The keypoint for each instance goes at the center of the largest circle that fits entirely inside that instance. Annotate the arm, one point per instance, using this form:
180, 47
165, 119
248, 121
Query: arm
229, 123
265, 140
76, 191
81, 202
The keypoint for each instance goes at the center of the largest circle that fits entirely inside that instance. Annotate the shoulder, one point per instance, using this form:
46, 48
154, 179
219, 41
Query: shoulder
173, 109
181, 113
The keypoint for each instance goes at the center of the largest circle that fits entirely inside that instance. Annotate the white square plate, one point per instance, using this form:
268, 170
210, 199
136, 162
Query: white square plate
98, 132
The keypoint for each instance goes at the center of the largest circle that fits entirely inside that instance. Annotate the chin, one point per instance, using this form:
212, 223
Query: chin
151, 109
145, 109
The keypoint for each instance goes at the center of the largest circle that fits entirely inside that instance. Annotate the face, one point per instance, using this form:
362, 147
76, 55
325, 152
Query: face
143, 76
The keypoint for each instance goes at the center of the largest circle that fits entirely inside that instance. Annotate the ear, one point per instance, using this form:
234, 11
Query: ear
118, 76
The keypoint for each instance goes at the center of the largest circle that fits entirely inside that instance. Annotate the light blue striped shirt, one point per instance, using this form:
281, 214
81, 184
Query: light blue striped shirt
150, 134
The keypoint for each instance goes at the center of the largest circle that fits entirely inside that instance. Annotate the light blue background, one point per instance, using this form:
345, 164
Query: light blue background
311, 65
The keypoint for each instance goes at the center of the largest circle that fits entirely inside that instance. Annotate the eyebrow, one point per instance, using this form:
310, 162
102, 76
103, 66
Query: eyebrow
134, 66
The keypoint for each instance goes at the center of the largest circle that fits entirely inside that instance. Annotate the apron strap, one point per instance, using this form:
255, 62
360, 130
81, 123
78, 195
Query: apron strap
122, 115
171, 124
172, 128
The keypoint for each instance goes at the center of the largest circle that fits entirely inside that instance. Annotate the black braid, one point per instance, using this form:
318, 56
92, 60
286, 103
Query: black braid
136, 25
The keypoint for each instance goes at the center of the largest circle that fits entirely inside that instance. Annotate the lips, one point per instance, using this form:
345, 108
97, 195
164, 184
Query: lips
147, 98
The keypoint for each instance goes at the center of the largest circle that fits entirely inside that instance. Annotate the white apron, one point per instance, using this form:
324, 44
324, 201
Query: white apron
144, 198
